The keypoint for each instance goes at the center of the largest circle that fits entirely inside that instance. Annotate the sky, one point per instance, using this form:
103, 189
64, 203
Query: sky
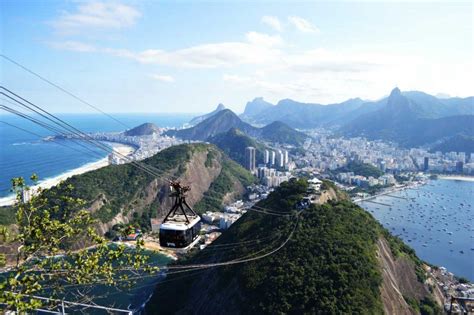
183, 56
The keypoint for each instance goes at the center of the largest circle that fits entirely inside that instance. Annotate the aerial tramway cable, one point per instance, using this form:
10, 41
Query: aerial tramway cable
18, 64
62, 89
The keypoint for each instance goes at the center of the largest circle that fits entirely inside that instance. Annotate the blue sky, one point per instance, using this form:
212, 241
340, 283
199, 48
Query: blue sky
159, 56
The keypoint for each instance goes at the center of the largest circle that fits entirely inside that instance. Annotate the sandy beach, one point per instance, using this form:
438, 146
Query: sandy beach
53, 181
457, 177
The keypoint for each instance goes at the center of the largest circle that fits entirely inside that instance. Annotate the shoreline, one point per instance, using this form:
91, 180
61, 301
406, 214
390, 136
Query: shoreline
55, 180
465, 178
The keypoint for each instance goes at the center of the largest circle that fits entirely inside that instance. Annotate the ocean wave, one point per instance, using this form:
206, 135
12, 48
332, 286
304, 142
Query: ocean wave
21, 143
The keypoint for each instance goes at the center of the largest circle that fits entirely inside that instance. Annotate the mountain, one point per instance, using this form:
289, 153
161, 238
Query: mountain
305, 115
222, 121
145, 129
280, 132
311, 115
125, 194
234, 142
458, 143
333, 258
413, 119
225, 120
255, 107
198, 119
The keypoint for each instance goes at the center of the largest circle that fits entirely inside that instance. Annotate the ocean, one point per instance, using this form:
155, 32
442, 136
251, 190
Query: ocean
436, 219
22, 153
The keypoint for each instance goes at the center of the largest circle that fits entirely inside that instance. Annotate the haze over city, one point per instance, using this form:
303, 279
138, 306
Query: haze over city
187, 57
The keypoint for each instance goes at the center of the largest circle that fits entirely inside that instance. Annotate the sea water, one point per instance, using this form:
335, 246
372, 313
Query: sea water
436, 219
22, 153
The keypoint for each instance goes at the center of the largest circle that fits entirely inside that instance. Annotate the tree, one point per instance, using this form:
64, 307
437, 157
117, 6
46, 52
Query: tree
47, 260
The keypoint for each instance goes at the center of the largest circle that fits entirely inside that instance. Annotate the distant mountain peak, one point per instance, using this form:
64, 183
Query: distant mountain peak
198, 119
145, 129
395, 92
256, 106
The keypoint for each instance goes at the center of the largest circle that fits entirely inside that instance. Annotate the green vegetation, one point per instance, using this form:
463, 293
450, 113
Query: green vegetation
328, 266
122, 188
7, 215
282, 133
372, 190
44, 233
231, 173
362, 169
234, 142
426, 306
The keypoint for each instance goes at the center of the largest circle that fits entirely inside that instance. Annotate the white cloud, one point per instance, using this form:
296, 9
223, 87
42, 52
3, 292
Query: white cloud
273, 22
73, 46
162, 78
303, 25
261, 39
96, 15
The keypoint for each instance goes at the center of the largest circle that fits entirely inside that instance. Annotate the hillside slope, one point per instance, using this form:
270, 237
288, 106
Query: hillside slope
332, 264
234, 142
123, 193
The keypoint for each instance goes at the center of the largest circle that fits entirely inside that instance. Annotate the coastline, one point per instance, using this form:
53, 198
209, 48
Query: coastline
53, 181
457, 177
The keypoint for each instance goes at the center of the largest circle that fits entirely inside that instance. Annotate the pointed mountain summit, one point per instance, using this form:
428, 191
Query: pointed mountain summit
198, 119
412, 119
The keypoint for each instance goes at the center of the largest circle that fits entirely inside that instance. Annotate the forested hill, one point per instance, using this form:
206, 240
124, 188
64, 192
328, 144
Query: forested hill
334, 263
124, 193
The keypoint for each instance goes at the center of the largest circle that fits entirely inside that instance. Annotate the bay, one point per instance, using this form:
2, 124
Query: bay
436, 220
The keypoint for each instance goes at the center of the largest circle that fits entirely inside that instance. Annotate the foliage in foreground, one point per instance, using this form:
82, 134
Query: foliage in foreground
46, 262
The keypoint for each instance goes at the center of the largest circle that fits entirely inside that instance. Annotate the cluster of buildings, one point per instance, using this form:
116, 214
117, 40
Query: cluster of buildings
327, 153
227, 217
450, 162
278, 159
362, 181
451, 286
275, 168
145, 146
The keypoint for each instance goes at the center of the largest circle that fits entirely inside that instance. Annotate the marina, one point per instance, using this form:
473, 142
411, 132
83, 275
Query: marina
435, 219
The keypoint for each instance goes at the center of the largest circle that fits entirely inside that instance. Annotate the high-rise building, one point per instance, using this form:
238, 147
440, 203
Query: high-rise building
273, 156
286, 160
426, 164
250, 158
280, 159
459, 167
266, 157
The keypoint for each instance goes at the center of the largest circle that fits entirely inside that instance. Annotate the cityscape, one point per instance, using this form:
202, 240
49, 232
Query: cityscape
232, 157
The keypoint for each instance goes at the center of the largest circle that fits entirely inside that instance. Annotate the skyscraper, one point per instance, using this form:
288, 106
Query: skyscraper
273, 158
280, 159
250, 158
266, 158
286, 160
426, 164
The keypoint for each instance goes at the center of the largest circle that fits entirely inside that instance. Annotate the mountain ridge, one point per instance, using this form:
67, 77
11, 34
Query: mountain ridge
225, 120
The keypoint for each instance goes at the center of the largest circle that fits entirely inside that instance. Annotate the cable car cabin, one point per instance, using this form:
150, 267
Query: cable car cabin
181, 226
176, 232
